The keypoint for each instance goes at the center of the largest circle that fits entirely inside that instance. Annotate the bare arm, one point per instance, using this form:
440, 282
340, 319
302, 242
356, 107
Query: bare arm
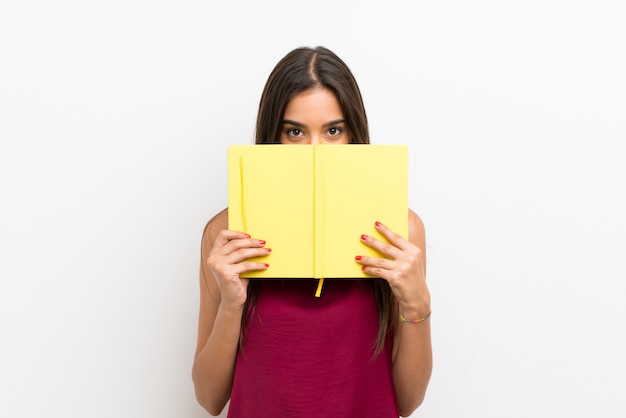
222, 298
404, 268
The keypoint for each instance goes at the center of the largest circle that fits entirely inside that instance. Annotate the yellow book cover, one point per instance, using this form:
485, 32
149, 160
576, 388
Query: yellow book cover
311, 203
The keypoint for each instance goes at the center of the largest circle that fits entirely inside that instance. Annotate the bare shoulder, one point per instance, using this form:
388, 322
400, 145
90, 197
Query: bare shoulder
417, 231
213, 227
210, 295
211, 230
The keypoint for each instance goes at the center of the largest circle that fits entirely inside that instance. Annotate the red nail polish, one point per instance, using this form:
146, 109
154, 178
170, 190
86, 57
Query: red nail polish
266, 265
377, 223
261, 242
363, 237
363, 268
247, 236
358, 257
269, 250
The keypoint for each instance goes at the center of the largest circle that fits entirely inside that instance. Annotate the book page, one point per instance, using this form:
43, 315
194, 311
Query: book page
271, 198
362, 184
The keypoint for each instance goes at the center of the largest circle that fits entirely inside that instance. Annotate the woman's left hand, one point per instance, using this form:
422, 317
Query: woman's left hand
403, 266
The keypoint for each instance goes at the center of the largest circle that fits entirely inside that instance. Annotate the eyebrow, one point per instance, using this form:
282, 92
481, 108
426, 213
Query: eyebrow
302, 125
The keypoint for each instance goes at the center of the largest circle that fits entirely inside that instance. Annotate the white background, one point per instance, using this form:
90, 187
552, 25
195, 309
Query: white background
114, 122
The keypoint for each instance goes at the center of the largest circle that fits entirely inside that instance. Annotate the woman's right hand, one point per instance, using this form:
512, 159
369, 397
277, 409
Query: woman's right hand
228, 259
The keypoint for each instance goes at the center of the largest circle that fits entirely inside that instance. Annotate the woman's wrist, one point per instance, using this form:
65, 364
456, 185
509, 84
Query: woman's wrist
416, 313
414, 320
230, 311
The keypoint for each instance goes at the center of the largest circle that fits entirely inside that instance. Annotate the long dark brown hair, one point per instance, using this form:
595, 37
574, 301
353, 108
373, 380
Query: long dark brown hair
300, 70
303, 69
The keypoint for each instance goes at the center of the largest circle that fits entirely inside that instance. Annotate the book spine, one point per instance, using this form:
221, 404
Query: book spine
318, 211
236, 209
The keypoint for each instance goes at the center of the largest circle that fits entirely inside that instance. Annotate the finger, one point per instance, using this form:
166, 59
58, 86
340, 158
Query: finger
244, 254
230, 272
226, 235
384, 248
246, 266
236, 244
394, 238
375, 271
238, 256
391, 276
382, 263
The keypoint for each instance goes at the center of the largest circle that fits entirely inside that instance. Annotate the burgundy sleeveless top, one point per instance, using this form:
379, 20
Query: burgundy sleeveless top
313, 357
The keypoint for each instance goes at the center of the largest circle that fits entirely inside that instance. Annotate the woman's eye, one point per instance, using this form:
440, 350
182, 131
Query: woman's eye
334, 131
294, 132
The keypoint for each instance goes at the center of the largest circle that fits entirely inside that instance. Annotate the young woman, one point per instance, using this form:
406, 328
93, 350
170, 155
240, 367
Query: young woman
363, 349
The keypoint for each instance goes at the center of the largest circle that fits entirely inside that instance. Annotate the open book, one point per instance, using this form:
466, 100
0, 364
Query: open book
312, 203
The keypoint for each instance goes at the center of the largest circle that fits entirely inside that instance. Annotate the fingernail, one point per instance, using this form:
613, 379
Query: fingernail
358, 257
269, 250
377, 223
363, 237
363, 268
266, 265
247, 236
261, 242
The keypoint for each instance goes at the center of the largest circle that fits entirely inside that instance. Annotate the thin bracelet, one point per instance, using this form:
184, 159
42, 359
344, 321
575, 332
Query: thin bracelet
415, 321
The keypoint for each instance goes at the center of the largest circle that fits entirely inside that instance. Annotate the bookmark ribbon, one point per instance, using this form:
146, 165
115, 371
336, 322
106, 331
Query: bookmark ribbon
320, 283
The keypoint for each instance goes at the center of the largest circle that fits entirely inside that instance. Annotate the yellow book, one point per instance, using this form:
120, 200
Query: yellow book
312, 203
